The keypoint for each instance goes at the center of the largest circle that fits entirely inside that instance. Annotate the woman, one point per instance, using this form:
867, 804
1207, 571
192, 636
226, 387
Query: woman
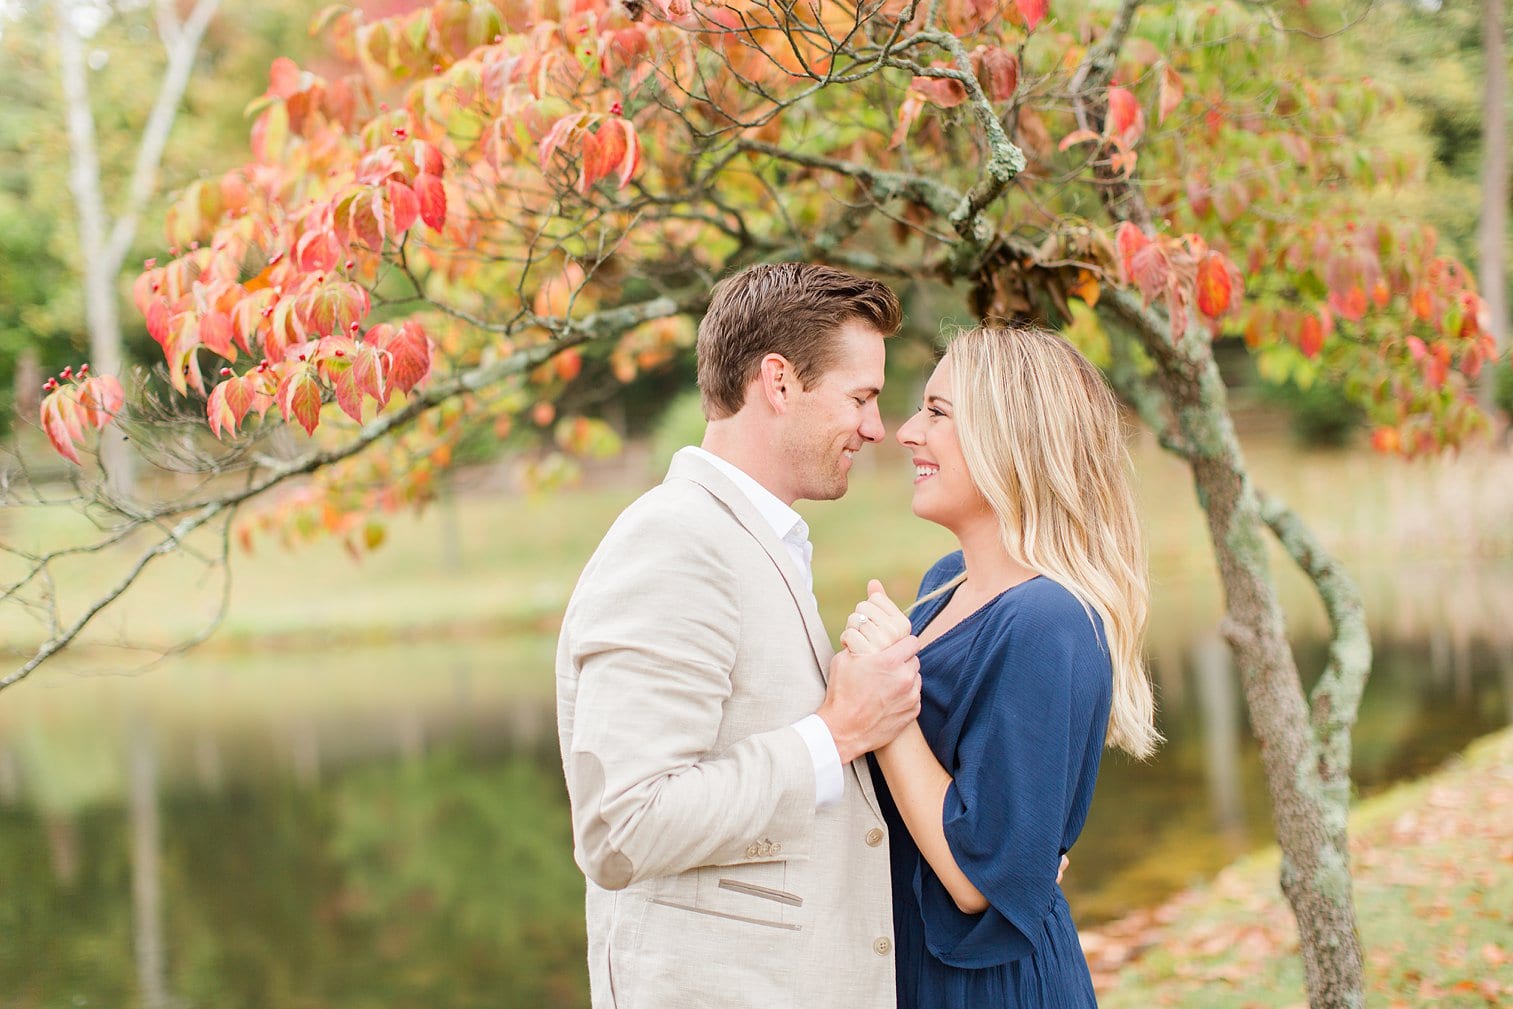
1030, 652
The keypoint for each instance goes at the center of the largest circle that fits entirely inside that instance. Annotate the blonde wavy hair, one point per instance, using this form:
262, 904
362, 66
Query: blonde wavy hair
1043, 442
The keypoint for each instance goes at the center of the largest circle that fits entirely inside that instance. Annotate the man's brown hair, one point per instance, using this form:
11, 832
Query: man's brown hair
792, 309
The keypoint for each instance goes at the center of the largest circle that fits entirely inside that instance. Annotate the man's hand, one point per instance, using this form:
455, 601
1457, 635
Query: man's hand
871, 698
875, 624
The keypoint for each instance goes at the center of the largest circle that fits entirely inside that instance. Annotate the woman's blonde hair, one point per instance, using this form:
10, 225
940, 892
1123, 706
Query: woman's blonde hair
1041, 434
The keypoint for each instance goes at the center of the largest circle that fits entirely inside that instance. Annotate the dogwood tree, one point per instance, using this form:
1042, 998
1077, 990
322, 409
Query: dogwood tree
504, 200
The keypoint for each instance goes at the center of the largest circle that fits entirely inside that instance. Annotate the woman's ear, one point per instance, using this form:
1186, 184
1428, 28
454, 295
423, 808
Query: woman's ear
776, 379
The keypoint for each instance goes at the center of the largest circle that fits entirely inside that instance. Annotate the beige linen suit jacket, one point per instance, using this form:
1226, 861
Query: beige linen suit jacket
690, 647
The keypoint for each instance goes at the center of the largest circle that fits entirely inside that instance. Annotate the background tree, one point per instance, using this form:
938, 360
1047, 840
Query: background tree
506, 203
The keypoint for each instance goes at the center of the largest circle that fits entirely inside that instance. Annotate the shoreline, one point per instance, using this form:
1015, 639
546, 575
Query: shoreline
1232, 941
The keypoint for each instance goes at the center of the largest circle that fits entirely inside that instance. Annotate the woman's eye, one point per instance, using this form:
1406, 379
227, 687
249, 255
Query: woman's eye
935, 411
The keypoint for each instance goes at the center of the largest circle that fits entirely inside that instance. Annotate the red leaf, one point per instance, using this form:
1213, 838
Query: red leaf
558, 135
368, 368
317, 251
1131, 240
348, 396
299, 398
1213, 284
1311, 336
157, 322
1033, 11
404, 206
997, 71
1169, 92
410, 357
433, 200
945, 92
284, 78
100, 399
1351, 304
1126, 119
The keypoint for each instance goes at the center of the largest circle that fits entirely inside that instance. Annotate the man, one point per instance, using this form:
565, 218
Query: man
710, 738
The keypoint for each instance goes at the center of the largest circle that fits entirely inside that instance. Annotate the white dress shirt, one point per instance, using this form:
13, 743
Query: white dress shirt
793, 531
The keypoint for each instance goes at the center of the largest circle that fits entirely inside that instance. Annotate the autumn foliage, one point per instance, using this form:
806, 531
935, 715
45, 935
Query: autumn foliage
492, 178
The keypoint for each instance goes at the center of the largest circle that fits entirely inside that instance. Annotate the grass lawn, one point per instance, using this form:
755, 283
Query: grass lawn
1433, 863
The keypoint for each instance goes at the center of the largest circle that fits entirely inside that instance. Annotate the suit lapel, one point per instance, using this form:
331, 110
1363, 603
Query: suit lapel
687, 466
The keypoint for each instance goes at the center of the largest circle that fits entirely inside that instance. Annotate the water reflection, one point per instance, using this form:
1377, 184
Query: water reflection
288, 833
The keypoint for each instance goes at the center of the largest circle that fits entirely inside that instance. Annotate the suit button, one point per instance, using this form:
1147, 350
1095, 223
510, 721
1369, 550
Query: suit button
882, 947
751, 851
874, 837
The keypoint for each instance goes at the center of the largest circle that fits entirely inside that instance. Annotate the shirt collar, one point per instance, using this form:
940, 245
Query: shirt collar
786, 523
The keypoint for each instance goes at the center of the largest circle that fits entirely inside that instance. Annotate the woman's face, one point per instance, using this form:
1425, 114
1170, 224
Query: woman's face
943, 491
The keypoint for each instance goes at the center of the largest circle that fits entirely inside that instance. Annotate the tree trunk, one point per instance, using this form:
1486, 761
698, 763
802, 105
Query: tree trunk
1493, 231
1309, 783
104, 243
99, 267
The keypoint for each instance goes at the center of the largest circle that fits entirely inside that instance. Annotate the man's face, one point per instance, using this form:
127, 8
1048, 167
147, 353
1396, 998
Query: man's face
830, 421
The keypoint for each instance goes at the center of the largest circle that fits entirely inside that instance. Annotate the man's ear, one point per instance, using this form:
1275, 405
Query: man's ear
777, 382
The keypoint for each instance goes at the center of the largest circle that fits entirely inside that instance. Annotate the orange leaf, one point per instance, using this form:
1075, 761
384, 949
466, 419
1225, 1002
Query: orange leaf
1033, 11
1169, 92
1214, 286
569, 364
57, 427
909, 111
215, 333
1076, 137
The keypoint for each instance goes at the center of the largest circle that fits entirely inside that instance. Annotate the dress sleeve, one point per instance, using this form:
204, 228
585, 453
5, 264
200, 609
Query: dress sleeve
1014, 774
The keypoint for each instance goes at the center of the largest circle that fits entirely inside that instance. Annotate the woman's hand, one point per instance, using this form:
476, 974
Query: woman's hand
875, 624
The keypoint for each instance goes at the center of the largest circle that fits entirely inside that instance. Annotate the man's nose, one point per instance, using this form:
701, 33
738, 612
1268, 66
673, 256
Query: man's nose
872, 424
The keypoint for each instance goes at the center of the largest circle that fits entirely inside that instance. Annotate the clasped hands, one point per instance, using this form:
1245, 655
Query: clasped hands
877, 626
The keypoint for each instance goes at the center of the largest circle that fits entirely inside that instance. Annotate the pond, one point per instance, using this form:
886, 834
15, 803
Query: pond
385, 826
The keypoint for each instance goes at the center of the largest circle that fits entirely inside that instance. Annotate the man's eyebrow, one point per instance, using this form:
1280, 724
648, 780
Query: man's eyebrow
866, 390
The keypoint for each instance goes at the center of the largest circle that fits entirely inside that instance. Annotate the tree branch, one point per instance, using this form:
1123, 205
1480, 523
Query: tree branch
1336, 698
181, 48
196, 514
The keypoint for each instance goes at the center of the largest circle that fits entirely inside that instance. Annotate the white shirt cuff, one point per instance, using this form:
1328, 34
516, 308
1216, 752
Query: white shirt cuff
829, 779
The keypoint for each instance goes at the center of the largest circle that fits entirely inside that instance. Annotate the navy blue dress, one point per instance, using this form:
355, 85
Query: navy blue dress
1016, 705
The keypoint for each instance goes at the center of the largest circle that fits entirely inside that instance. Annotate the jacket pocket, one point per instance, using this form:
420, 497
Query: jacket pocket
726, 915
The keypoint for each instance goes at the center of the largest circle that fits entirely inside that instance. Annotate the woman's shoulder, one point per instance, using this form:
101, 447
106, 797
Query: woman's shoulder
1044, 608
942, 571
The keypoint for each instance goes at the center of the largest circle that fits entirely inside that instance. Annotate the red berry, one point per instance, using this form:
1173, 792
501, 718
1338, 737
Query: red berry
616, 109
148, 264
225, 372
